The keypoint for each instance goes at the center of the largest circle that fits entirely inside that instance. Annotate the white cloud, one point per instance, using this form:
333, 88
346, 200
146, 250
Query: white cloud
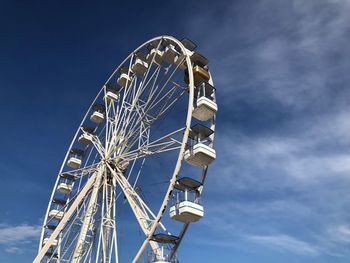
317, 150
293, 174
14, 250
285, 242
339, 233
288, 56
15, 238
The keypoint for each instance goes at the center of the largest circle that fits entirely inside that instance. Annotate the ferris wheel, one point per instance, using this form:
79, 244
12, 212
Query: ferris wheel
132, 179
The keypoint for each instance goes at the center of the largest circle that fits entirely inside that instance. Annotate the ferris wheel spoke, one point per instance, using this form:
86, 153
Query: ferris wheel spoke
108, 108
134, 114
166, 107
152, 100
164, 144
163, 103
148, 119
167, 96
152, 150
111, 113
144, 215
98, 145
141, 118
81, 172
145, 84
131, 108
96, 142
155, 73
121, 109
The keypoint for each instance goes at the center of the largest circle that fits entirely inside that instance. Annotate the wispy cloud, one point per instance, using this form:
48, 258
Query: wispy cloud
285, 242
295, 56
15, 238
339, 233
281, 71
267, 184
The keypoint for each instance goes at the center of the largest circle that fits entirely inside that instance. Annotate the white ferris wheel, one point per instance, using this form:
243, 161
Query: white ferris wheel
145, 143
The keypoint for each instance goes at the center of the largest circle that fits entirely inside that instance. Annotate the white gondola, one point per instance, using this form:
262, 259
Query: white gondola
139, 67
189, 48
161, 256
206, 107
189, 44
53, 244
200, 74
111, 96
59, 201
53, 256
124, 80
165, 238
187, 212
156, 55
181, 62
199, 69
56, 214
75, 159
111, 92
155, 258
186, 206
170, 54
64, 188
69, 176
199, 59
200, 155
74, 162
97, 117
85, 139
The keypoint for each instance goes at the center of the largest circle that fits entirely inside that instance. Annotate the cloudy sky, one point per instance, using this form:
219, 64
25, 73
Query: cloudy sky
278, 191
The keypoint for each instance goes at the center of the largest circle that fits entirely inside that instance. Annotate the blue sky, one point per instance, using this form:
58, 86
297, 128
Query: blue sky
278, 191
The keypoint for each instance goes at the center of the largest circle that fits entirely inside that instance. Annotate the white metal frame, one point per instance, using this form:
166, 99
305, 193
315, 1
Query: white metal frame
103, 172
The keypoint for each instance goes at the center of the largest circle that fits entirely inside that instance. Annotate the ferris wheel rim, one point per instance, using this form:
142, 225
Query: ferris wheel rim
181, 152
